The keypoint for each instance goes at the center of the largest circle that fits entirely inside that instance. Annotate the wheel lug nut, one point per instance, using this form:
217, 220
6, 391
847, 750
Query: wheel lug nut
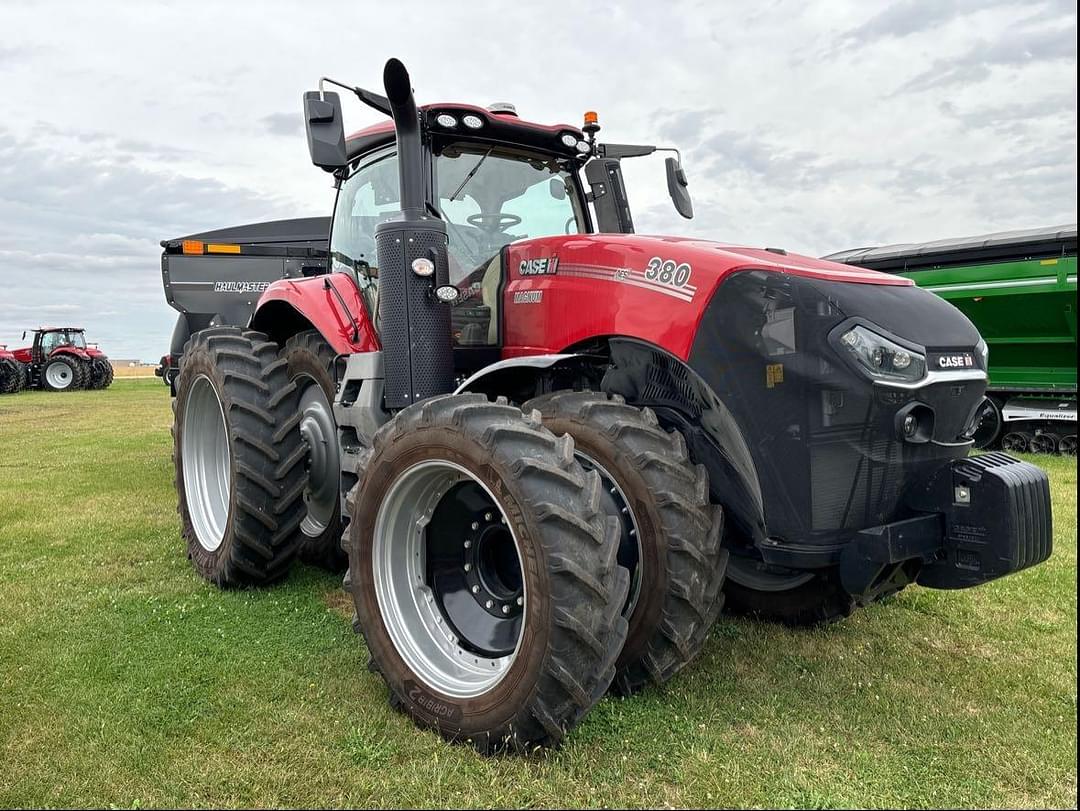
475, 589
468, 567
506, 609
521, 601
468, 544
612, 491
625, 510
475, 525
489, 604
487, 516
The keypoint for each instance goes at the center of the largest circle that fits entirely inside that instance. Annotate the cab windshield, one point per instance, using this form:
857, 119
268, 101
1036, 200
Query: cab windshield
56, 338
490, 198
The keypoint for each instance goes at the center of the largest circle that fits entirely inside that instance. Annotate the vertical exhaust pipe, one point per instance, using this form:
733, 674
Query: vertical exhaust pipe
413, 326
407, 128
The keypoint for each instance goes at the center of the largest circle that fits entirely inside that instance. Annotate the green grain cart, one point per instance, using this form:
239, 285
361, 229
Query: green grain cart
1019, 289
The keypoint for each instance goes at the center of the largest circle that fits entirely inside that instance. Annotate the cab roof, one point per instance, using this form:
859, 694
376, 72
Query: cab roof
496, 128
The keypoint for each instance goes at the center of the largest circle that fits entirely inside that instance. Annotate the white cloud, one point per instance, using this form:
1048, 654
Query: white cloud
814, 127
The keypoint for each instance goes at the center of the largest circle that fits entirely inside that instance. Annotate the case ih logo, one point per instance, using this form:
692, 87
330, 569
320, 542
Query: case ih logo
240, 287
539, 267
964, 361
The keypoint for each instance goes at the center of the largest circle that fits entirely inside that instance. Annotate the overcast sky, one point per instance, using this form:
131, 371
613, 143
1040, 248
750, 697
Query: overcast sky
811, 126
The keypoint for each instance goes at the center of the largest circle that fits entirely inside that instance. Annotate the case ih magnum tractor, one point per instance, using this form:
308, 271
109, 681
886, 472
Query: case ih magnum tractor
545, 441
60, 360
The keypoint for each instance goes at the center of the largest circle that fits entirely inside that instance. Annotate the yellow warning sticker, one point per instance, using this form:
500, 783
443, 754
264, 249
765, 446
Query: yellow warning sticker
774, 375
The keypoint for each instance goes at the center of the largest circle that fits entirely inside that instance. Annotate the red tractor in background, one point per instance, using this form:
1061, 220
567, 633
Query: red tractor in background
551, 447
59, 359
12, 372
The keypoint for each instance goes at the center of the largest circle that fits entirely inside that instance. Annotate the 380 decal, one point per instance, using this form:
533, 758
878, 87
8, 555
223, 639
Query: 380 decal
664, 276
667, 271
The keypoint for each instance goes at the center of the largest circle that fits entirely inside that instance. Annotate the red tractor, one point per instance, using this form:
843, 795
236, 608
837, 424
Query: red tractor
60, 360
12, 372
550, 447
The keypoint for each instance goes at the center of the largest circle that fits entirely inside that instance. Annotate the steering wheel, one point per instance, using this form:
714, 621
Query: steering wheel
496, 223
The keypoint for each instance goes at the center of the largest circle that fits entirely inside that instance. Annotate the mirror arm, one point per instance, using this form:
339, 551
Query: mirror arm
619, 151
374, 100
678, 155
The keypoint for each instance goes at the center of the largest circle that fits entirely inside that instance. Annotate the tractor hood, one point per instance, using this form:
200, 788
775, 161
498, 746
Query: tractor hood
705, 257
655, 288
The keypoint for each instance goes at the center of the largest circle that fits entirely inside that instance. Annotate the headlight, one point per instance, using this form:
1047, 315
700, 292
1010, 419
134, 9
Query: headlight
881, 358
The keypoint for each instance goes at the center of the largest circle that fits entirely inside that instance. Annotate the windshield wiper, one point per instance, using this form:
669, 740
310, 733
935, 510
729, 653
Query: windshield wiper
469, 176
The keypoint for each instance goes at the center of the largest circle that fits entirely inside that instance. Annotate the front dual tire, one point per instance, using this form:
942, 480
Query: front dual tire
501, 622
670, 533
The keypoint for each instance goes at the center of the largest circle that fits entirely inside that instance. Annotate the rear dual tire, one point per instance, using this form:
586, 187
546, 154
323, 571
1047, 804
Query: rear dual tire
12, 376
429, 629
100, 374
239, 458
310, 361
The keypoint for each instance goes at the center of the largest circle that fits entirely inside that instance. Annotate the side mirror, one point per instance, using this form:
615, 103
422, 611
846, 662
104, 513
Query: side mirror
558, 188
325, 130
676, 186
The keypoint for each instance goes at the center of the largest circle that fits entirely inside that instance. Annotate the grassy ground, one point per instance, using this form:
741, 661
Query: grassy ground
126, 681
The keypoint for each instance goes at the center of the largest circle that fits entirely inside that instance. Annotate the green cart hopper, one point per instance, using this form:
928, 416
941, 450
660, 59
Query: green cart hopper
1019, 289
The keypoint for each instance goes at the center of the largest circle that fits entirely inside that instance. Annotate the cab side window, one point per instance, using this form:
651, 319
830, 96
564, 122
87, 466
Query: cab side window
49, 342
367, 197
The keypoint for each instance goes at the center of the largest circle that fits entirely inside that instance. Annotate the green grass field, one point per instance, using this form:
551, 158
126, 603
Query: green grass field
127, 681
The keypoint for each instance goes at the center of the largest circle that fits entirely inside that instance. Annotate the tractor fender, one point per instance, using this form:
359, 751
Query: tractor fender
648, 377
69, 350
330, 303
482, 380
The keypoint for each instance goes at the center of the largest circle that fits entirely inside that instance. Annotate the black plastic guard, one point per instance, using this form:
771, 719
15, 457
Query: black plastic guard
997, 519
413, 326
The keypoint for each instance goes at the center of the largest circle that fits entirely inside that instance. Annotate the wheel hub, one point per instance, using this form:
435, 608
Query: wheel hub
490, 565
319, 430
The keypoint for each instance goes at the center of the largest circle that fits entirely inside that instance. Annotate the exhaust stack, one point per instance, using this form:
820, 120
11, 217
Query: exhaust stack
414, 327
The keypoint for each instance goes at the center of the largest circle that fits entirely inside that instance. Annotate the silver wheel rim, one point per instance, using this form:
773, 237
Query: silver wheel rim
319, 430
58, 374
205, 456
753, 574
410, 612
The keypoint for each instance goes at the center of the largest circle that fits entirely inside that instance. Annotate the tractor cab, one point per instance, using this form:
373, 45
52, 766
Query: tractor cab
48, 340
489, 176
